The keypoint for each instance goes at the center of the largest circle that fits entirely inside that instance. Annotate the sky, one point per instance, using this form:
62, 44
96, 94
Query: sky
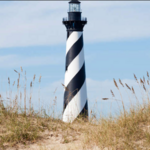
116, 45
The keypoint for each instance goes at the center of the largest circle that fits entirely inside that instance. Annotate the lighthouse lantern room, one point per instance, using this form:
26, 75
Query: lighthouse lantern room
74, 6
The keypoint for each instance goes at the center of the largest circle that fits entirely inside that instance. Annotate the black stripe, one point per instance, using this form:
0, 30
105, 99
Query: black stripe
69, 33
74, 86
74, 51
84, 112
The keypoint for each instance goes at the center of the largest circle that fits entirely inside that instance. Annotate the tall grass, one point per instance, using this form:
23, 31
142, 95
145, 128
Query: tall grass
129, 130
126, 131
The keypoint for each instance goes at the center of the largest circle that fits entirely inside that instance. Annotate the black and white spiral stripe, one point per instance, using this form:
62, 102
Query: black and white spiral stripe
75, 96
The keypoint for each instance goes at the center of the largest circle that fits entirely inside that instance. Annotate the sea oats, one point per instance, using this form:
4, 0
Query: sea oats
105, 98
121, 82
133, 90
8, 80
21, 69
34, 77
127, 86
141, 81
116, 84
144, 87
113, 95
147, 74
136, 78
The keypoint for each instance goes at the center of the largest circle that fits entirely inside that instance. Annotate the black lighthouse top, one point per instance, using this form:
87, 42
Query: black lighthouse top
74, 1
74, 21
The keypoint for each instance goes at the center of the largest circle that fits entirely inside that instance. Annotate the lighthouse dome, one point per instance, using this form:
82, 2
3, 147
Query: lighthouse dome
74, 1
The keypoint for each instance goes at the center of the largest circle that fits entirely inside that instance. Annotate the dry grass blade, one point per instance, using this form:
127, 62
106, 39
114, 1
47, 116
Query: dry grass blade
39, 94
20, 97
55, 90
64, 87
18, 83
31, 84
34, 78
121, 82
141, 81
30, 98
0, 99
127, 86
133, 90
136, 78
21, 69
40, 79
148, 82
105, 98
147, 74
116, 84
144, 87
25, 94
16, 71
113, 95
8, 80
14, 83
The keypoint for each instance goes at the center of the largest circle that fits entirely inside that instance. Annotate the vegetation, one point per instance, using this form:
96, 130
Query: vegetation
129, 130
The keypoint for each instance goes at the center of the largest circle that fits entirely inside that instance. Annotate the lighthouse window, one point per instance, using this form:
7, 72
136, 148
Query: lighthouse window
74, 8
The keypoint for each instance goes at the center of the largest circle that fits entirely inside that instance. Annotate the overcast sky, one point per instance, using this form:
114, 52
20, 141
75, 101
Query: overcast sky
116, 45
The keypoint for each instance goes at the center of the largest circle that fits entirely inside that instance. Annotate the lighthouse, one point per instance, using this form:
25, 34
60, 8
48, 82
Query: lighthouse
75, 94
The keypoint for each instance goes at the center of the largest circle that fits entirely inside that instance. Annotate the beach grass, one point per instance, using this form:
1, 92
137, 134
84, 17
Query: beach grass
130, 129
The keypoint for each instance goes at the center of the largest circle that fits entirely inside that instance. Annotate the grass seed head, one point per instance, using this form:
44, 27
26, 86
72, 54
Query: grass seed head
34, 77
133, 90
141, 81
147, 74
40, 79
121, 82
127, 86
21, 69
113, 95
18, 83
31, 84
16, 71
64, 87
136, 78
8, 80
18, 75
116, 84
105, 98
144, 87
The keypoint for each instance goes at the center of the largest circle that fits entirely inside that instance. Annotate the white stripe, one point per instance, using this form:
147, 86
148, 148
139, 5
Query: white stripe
72, 39
76, 105
74, 67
